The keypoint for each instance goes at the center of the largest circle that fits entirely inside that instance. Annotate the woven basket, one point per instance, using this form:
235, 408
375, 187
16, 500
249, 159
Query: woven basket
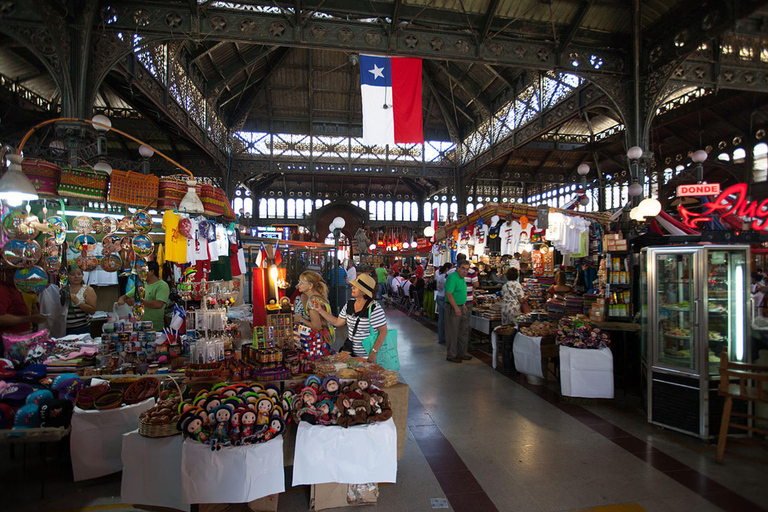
171, 191
133, 188
45, 176
122, 383
112, 399
87, 396
160, 429
83, 182
144, 388
212, 199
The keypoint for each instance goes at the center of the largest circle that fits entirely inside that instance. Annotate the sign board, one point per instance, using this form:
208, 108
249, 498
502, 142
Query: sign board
277, 233
698, 189
731, 201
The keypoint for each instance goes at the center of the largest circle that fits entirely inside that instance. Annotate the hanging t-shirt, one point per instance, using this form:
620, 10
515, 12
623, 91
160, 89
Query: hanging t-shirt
481, 239
175, 243
506, 233
201, 245
222, 239
191, 243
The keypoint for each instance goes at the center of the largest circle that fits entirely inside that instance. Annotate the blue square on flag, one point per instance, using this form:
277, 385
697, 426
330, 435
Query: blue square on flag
391, 96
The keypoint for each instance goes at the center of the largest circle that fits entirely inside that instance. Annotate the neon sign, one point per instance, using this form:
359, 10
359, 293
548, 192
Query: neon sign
731, 201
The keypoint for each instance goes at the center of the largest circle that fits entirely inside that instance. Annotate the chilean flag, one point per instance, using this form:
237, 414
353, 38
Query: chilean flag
277, 255
262, 256
391, 92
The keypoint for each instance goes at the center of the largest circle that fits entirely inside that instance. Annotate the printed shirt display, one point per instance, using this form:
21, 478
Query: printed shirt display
481, 238
175, 243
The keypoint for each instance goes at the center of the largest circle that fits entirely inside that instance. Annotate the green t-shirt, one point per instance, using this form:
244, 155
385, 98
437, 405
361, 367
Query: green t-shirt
158, 290
456, 285
381, 275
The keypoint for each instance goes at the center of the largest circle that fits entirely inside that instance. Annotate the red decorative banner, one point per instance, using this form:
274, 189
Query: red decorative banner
698, 189
726, 205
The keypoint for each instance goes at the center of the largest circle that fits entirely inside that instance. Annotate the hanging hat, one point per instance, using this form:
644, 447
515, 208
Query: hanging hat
185, 228
364, 283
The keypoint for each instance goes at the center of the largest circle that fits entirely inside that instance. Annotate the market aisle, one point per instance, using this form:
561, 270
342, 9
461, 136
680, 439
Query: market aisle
527, 454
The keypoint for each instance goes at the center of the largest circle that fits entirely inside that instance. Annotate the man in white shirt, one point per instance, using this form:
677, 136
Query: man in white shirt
351, 272
397, 282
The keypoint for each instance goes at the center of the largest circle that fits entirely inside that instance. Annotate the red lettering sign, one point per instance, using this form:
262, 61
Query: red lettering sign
698, 189
732, 201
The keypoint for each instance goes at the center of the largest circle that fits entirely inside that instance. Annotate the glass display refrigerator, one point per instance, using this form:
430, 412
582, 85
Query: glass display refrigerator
695, 301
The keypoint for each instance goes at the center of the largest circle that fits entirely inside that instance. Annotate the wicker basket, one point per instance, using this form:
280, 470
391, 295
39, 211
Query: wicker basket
112, 399
147, 429
87, 396
122, 383
133, 188
140, 390
172, 189
44, 175
83, 182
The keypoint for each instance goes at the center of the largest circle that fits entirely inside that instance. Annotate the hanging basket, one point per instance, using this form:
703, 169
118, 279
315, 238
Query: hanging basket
44, 175
83, 182
172, 190
133, 188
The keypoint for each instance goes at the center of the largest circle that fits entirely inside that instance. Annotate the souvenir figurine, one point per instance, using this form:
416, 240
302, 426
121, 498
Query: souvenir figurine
346, 413
276, 428
248, 425
332, 386
326, 409
235, 430
263, 409
221, 431
210, 405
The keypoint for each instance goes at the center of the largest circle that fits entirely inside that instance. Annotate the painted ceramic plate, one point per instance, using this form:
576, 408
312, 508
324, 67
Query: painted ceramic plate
59, 228
87, 263
142, 221
81, 241
142, 246
126, 243
126, 224
110, 244
31, 280
16, 226
142, 270
52, 264
22, 254
111, 263
98, 227
82, 224
109, 224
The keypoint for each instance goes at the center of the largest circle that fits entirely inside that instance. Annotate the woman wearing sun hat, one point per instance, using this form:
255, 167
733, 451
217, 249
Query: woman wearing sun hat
361, 314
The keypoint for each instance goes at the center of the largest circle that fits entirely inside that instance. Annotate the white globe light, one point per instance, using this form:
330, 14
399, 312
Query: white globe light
649, 207
635, 189
699, 156
372, 247
339, 222
103, 166
635, 152
583, 169
102, 120
635, 214
146, 151
429, 231
584, 200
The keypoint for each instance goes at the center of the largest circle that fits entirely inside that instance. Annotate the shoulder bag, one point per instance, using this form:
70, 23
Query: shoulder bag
387, 356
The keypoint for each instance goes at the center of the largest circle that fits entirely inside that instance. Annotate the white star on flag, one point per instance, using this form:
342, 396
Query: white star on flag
377, 72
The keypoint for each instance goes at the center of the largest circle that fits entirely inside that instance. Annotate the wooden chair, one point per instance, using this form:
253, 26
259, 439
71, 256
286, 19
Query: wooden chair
752, 386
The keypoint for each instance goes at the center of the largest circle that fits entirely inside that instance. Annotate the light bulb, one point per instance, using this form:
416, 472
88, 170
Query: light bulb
146, 151
101, 120
583, 169
103, 166
635, 189
429, 231
372, 247
649, 207
699, 156
635, 152
584, 200
339, 222
635, 214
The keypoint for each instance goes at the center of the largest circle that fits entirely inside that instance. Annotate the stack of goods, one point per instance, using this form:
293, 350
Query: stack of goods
312, 344
493, 313
26, 403
260, 364
345, 366
236, 414
328, 401
279, 330
579, 332
589, 300
161, 420
574, 305
112, 396
539, 329
555, 309
535, 293
135, 343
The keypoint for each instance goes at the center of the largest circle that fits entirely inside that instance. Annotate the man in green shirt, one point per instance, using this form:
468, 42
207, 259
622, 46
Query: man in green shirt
156, 292
381, 279
457, 316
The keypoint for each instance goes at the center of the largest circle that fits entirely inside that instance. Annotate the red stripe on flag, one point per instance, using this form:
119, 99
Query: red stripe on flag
406, 100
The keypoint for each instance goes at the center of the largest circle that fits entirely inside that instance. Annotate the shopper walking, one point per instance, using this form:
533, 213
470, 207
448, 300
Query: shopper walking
381, 279
513, 294
361, 315
440, 300
82, 302
457, 317
313, 300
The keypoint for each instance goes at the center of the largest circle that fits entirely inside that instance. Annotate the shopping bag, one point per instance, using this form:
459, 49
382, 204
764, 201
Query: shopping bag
387, 356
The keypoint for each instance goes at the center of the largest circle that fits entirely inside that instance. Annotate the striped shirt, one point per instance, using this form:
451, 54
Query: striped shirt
378, 319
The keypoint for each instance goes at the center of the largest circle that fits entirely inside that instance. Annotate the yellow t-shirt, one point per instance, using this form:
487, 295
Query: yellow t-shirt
175, 242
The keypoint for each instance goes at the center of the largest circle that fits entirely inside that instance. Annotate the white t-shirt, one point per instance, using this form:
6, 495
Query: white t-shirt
191, 245
481, 239
201, 246
222, 240
351, 274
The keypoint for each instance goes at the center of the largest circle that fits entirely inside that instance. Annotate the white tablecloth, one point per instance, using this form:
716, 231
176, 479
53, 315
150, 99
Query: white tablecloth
152, 471
96, 442
235, 474
527, 351
586, 373
355, 455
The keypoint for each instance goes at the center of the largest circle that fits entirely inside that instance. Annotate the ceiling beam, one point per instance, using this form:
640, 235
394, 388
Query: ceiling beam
479, 104
574, 26
490, 13
449, 121
232, 70
204, 50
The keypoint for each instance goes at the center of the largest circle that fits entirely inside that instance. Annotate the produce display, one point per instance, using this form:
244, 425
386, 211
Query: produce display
344, 366
540, 329
579, 332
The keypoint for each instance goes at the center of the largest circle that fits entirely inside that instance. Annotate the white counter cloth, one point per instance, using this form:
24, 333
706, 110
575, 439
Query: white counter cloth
152, 471
527, 351
234, 474
96, 442
354, 455
586, 373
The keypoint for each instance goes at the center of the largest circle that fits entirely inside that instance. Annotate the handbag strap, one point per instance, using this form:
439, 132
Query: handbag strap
357, 322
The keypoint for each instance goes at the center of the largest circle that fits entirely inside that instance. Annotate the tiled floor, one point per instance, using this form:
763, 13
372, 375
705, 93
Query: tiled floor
487, 442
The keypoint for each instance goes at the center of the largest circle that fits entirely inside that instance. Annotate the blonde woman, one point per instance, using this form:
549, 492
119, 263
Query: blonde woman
313, 300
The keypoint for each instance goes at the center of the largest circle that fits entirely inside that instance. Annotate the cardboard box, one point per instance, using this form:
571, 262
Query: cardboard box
398, 395
333, 495
265, 504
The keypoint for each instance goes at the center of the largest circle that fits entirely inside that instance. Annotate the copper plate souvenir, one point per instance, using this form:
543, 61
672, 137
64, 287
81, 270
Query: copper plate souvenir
59, 228
16, 226
50, 247
142, 221
126, 243
138, 311
52, 264
87, 263
82, 241
98, 227
142, 270
110, 244
109, 224
22, 254
126, 224
111, 263
31, 280
82, 224
142, 246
